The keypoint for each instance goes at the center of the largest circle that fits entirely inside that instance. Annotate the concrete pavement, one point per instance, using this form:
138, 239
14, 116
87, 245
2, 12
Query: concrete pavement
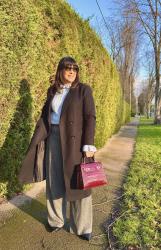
24, 228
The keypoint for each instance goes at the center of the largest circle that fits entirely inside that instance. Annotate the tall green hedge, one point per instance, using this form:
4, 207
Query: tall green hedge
34, 35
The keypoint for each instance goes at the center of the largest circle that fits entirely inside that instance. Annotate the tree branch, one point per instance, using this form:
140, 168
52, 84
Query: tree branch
145, 25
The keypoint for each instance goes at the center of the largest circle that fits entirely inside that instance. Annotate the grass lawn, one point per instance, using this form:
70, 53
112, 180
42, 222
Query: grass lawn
139, 223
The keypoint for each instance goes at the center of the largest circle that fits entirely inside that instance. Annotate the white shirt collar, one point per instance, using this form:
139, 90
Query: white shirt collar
65, 86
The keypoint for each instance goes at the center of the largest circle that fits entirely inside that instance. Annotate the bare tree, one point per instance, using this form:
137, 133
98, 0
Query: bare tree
123, 46
146, 96
149, 95
116, 44
150, 88
127, 59
148, 14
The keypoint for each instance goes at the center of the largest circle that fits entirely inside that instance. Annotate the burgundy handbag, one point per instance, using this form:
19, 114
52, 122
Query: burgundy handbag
90, 174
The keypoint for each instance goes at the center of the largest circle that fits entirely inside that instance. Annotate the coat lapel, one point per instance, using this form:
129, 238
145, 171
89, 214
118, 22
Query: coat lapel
67, 101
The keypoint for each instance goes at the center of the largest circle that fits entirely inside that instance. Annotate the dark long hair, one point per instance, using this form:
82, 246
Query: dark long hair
56, 81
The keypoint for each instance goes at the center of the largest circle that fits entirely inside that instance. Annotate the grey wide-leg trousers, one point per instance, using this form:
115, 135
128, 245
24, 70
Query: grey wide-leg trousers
81, 215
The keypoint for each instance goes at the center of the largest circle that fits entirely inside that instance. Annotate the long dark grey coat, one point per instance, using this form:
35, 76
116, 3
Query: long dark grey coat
77, 128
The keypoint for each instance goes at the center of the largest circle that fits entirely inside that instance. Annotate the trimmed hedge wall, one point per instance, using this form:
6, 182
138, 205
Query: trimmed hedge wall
35, 35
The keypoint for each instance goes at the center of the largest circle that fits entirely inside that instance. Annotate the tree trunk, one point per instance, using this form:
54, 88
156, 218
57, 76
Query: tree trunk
157, 119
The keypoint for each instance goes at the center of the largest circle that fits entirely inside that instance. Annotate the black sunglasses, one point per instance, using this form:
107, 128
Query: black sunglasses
75, 68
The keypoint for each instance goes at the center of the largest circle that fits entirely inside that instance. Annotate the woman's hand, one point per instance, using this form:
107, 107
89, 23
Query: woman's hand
89, 153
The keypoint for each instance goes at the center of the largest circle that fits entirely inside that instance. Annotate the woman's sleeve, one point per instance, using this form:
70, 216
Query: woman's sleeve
89, 117
90, 148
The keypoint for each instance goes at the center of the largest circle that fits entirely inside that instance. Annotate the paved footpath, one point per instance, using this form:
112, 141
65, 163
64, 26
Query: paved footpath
24, 228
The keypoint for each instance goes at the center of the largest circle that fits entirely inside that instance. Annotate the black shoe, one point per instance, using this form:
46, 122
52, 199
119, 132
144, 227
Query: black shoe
54, 229
86, 236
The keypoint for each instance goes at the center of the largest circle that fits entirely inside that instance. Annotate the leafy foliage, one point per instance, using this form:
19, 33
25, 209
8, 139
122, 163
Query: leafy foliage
35, 35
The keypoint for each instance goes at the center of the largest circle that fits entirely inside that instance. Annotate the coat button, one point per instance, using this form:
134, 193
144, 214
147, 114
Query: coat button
71, 122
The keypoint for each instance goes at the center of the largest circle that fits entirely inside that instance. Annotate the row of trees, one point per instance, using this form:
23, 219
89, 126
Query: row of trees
137, 28
148, 15
148, 88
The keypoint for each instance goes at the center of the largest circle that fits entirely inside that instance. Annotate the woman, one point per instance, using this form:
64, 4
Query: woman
63, 135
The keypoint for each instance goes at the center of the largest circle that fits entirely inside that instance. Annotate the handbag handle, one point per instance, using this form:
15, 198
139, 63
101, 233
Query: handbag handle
83, 158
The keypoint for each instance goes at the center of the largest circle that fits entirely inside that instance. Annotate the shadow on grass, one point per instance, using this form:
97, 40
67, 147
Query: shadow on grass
115, 213
150, 130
